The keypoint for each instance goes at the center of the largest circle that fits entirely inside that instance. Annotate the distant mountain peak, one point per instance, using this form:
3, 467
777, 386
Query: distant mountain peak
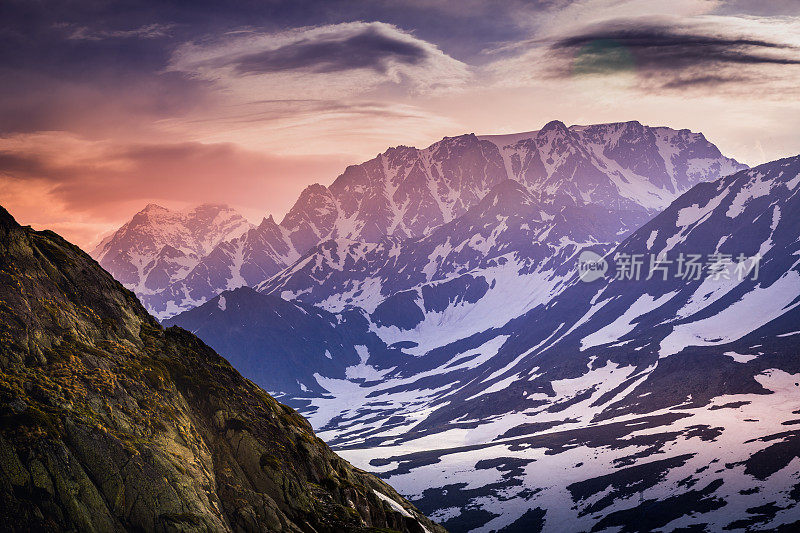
153, 207
158, 246
555, 126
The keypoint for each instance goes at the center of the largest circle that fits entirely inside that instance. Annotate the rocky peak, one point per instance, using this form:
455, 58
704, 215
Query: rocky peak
463, 140
153, 208
310, 198
267, 222
6, 220
554, 127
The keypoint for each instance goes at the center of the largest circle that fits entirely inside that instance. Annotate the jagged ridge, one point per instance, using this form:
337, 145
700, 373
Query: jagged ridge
405, 192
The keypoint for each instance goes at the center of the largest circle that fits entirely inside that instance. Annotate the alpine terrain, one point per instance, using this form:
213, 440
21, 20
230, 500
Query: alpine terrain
158, 247
400, 266
470, 367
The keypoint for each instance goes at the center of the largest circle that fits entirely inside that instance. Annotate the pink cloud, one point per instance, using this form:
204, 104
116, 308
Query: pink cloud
90, 191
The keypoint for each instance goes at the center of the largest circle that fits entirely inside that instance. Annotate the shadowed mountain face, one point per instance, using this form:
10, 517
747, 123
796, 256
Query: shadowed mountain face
628, 170
301, 340
110, 423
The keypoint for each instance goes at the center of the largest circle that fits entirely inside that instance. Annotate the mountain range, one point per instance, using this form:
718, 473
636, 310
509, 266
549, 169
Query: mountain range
631, 170
646, 404
427, 314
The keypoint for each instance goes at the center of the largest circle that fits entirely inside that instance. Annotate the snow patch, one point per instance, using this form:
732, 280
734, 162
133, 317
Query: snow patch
753, 310
625, 323
740, 358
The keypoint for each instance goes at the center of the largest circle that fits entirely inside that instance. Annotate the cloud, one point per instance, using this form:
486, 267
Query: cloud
321, 61
108, 104
85, 33
370, 48
665, 49
94, 184
737, 55
109, 173
759, 7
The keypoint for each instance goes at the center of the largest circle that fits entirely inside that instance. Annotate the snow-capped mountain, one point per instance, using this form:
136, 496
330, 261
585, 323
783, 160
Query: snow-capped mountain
623, 166
462, 277
572, 189
240, 262
406, 193
158, 246
672, 400
659, 403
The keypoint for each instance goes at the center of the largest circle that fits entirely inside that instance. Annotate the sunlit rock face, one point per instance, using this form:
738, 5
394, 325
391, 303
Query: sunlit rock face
112, 423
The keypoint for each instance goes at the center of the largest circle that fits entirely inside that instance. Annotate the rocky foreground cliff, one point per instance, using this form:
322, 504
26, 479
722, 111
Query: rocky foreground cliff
109, 422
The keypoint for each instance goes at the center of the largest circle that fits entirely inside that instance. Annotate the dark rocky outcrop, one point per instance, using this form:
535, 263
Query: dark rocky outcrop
109, 422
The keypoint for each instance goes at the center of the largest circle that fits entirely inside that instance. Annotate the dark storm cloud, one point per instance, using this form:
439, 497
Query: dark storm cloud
370, 48
665, 49
673, 58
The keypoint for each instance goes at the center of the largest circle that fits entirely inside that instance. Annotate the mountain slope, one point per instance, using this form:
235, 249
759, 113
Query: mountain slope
111, 423
463, 276
614, 389
643, 404
282, 345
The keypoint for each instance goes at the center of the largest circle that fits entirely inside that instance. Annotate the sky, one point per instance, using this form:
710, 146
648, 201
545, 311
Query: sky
106, 106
